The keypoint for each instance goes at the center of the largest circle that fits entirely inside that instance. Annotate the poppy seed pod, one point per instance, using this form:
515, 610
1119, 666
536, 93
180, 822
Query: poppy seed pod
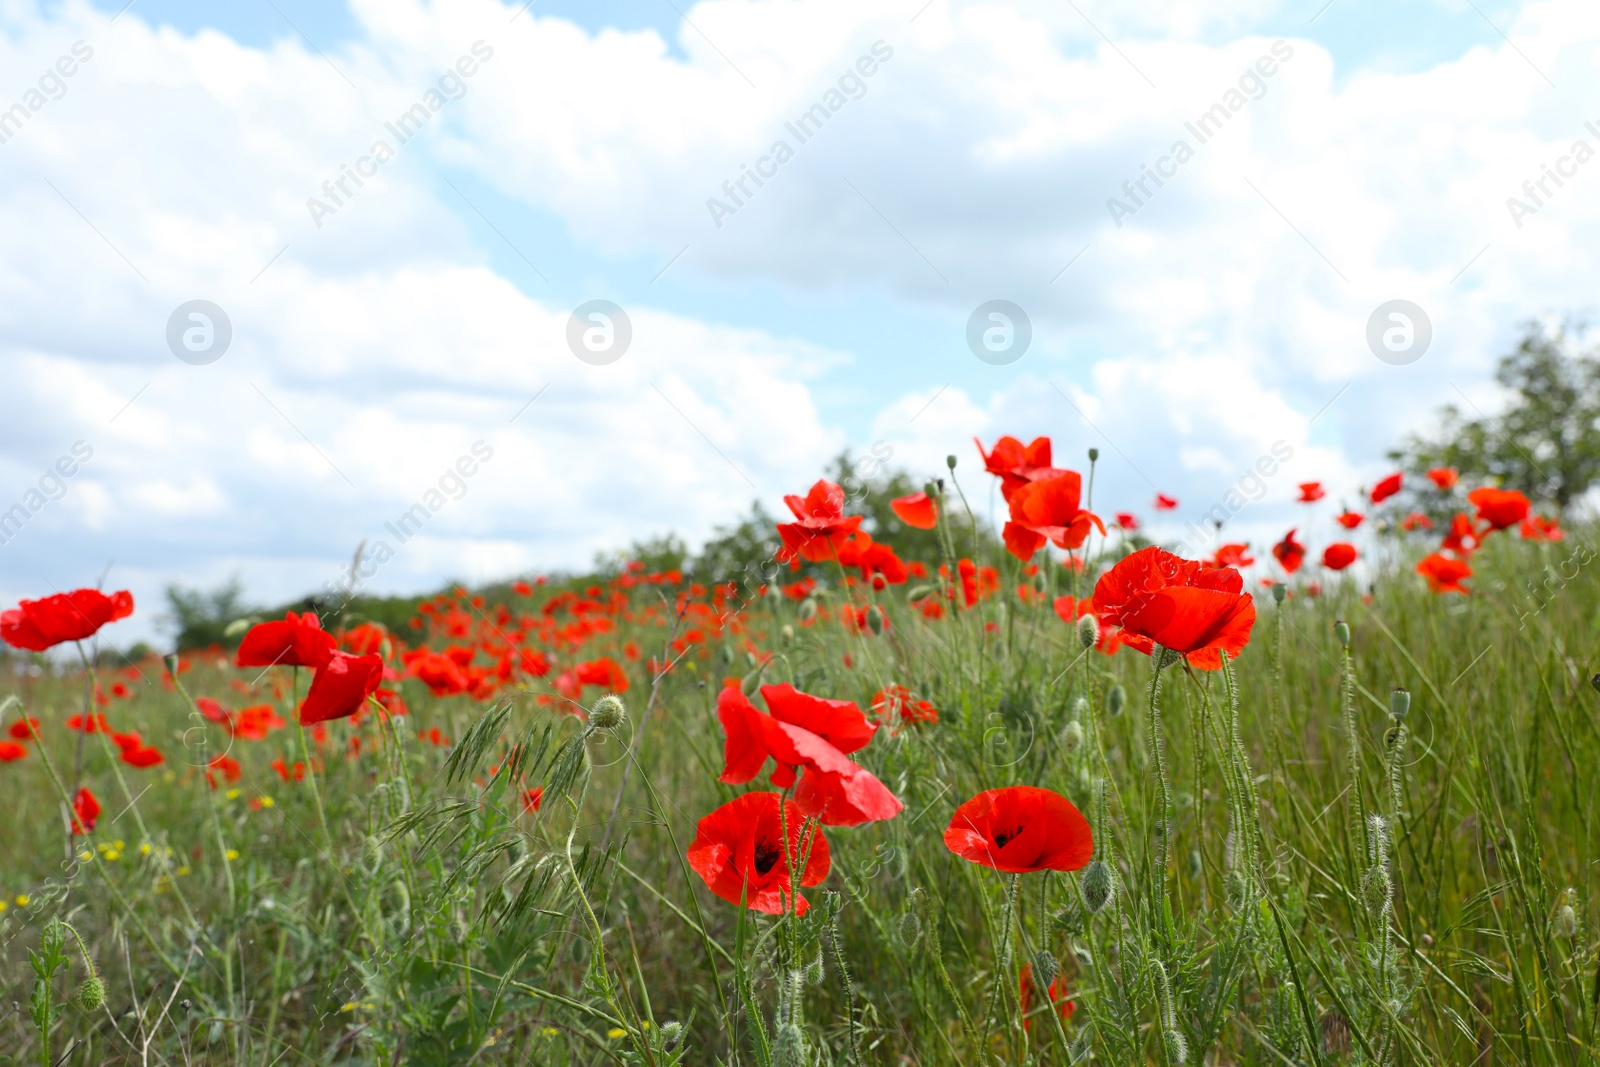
1279, 592
1116, 699
950, 461
1088, 631
1097, 887
608, 713
92, 993
1341, 633
1399, 704
1094, 454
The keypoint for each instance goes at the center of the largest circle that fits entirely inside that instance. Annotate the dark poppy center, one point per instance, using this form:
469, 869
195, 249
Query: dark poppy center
766, 856
1003, 836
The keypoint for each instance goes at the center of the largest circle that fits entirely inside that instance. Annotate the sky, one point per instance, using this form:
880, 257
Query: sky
393, 220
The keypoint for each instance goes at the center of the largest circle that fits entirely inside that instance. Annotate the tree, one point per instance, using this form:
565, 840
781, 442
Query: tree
200, 616
1546, 442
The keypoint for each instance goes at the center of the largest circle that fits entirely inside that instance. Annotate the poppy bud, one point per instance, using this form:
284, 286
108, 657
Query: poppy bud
879, 583
1094, 454
808, 609
726, 652
1082, 1045
1196, 865
1377, 891
608, 713
1097, 887
171, 660
1045, 967
950, 461
1115, 700
92, 993
789, 1050
372, 851
1278, 593
1177, 1047
934, 488
1567, 921
787, 633
1072, 736
1088, 631
910, 929
1399, 704
814, 970
671, 1034
1595, 681
876, 621
1341, 633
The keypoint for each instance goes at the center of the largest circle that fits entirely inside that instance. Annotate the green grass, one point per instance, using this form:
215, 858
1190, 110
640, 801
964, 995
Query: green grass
429, 920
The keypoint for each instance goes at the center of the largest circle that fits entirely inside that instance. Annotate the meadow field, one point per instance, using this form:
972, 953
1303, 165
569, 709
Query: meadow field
916, 793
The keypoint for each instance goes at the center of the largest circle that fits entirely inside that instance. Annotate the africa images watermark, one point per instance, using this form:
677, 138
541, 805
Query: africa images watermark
1251, 487
808, 125
52, 86
1566, 167
452, 485
1208, 125
452, 85
52, 485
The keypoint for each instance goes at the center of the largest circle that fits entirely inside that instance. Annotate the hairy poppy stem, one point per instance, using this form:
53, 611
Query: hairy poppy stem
1158, 884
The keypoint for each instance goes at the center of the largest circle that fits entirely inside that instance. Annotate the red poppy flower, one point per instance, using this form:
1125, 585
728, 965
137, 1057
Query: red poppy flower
293, 641
1311, 492
1289, 552
918, 510
895, 703
1349, 520
1232, 556
533, 799
1016, 464
287, 773
85, 811
1048, 510
222, 767
1463, 538
605, 672
873, 557
213, 710
1386, 488
136, 753
822, 528
24, 729
1339, 555
95, 724
341, 687
1158, 598
1444, 477
1021, 829
744, 853
368, 637
1445, 574
436, 671
11, 751
1057, 993
1416, 521
1126, 520
1499, 508
256, 722
36, 625
1165, 503
1539, 528
832, 788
